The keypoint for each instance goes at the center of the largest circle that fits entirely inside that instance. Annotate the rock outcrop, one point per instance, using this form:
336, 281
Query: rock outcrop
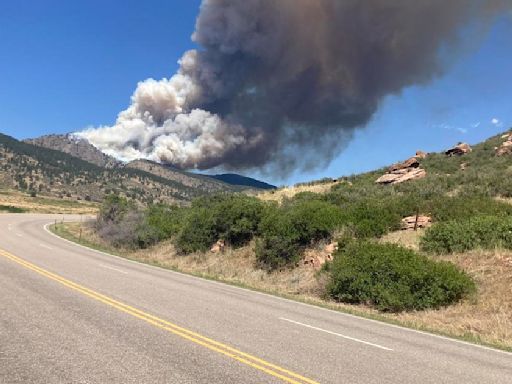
218, 247
421, 155
317, 259
412, 223
409, 163
506, 147
400, 172
459, 150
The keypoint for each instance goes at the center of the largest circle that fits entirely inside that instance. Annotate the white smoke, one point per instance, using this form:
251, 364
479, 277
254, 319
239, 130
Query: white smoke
160, 126
285, 82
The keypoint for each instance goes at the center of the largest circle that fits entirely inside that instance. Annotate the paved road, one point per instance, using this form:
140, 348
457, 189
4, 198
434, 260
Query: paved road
72, 315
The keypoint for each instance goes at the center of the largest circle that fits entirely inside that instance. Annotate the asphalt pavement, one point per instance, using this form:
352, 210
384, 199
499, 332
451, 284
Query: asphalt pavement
69, 314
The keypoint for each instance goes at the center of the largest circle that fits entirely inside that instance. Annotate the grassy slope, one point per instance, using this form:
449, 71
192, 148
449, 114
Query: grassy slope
19, 202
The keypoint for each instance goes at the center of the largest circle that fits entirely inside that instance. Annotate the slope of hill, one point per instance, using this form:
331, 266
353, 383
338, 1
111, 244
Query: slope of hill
465, 244
76, 147
242, 181
27, 167
191, 180
83, 150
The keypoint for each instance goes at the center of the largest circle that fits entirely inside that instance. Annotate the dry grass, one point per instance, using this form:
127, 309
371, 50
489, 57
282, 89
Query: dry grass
46, 205
288, 192
486, 318
408, 239
236, 266
489, 316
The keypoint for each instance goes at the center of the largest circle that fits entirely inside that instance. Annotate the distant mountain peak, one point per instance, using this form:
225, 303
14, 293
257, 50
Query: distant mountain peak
81, 148
75, 146
244, 181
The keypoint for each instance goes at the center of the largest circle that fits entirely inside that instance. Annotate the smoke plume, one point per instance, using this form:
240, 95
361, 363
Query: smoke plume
284, 83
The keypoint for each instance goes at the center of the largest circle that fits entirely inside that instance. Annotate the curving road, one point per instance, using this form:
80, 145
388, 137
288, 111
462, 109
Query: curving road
73, 315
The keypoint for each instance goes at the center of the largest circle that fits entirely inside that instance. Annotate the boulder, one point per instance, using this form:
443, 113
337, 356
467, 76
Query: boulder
401, 175
409, 163
411, 223
317, 259
421, 155
218, 247
506, 147
459, 150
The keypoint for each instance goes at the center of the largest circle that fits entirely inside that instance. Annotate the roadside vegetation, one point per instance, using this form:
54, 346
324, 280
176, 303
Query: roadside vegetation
438, 272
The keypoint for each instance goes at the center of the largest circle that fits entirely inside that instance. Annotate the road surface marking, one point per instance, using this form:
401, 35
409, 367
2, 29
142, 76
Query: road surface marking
336, 334
337, 312
45, 246
19, 235
113, 269
9, 227
242, 357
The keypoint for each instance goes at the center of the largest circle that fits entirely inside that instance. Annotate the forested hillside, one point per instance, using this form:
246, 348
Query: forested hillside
40, 170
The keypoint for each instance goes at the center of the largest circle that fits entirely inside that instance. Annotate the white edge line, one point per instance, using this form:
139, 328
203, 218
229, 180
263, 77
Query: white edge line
113, 269
339, 313
336, 334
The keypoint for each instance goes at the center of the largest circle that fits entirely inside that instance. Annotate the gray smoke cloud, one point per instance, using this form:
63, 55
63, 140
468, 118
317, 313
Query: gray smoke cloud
283, 84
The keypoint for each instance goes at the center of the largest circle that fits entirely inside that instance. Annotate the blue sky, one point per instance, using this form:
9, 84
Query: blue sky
67, 65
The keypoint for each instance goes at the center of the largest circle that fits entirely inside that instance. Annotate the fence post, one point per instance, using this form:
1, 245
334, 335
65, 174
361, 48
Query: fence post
417, 217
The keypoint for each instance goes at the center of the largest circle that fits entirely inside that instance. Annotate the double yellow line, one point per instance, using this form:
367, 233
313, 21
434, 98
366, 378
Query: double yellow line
242, 357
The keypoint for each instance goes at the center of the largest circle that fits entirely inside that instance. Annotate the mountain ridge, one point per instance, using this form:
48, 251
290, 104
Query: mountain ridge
83, 149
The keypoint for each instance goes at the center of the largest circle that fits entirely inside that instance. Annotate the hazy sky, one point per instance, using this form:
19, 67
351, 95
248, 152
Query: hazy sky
68, 65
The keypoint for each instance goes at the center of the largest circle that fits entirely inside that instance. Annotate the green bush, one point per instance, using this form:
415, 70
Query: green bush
233, 217
444, 208
287, 230
198, 232
392, 278
113, 209
166, 220
237, 218
485, 232
374, 218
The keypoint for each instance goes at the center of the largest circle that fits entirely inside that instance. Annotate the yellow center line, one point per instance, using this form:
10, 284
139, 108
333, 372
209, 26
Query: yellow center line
242, 357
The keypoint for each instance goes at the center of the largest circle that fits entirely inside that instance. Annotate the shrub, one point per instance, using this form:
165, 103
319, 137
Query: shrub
445, 208
113, 209
392, 278
485, 232
198, 232
374, 218
286, 230
123, 225
124, 232
233, 217
166, 220
237, 218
